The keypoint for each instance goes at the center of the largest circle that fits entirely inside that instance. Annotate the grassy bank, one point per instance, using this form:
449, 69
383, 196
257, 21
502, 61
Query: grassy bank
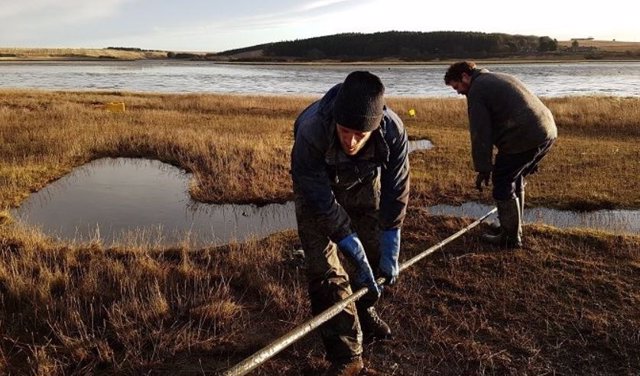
568, 303
77, 54
238, 147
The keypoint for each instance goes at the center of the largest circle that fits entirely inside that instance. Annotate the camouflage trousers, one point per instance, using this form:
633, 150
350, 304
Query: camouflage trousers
327, 276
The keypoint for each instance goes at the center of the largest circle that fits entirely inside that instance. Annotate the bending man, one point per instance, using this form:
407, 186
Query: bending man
350, 173
504, 113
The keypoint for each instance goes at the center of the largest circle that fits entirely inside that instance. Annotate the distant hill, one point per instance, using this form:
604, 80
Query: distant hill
402, 45
391, 46
430, 46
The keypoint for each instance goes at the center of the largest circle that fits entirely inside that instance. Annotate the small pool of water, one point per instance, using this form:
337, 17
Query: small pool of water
614, 221
138, 200
416, 145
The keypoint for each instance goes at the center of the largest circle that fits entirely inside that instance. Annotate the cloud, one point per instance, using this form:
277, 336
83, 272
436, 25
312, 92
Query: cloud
64, 11
240, 29
33, 22
215, 25
301, 12
36, 23
320, 4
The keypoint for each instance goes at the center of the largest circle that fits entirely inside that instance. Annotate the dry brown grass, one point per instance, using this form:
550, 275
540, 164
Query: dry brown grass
604, 45
593, 165
568, 303
65, 53
238, 147
79, 310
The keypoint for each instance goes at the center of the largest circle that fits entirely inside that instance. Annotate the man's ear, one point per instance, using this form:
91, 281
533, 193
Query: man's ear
465, 78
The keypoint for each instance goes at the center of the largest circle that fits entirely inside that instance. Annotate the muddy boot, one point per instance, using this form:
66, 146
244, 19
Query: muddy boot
347, 367
494, 227
510, 228
373, 327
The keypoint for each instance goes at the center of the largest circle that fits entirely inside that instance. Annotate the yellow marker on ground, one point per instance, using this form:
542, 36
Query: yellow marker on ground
412, 112
115, 106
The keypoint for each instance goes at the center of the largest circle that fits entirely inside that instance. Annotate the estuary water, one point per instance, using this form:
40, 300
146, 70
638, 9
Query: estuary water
544, 79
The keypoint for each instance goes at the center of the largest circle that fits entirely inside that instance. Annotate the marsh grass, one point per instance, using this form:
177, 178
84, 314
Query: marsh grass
238, 147
604, 45
568, 303
66, 53
82, 309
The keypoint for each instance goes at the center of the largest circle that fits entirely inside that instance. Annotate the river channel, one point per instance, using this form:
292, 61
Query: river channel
544, 79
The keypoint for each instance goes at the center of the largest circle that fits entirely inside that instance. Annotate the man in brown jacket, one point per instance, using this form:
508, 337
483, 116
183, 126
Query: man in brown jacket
504, 113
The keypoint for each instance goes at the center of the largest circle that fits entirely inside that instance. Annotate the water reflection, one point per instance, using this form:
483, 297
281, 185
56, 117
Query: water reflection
615, 221
419, 145
143, 201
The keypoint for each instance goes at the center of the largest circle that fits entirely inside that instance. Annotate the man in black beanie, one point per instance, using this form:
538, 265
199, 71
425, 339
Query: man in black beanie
350, 172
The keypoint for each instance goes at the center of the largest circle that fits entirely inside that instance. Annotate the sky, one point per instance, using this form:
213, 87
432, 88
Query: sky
214, 26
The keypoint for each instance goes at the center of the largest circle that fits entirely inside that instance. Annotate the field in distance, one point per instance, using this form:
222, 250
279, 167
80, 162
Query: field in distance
78, 53
602, 45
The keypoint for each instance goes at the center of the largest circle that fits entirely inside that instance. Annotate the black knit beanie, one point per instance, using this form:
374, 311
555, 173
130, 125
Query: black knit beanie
359, 102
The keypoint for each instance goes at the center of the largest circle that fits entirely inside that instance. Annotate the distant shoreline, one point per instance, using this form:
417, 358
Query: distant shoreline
315, 63
565, 51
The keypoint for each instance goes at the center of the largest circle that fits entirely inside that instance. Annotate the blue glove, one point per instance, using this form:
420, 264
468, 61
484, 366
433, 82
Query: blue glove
389, 252
352, 246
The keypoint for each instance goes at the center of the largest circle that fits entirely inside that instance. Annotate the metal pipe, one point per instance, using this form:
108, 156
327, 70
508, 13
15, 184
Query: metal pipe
434, 248
303, 329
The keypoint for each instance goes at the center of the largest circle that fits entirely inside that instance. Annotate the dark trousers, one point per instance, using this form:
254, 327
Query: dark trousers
509, 170
328, 279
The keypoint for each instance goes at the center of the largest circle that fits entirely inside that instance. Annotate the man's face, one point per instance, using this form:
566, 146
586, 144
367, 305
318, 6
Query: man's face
352, 141
462, 86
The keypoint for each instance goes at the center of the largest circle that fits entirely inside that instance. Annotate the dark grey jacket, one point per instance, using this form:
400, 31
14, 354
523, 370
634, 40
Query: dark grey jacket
504, 113
319, 166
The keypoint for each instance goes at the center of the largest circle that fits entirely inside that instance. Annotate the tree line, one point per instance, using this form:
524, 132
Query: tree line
404, 45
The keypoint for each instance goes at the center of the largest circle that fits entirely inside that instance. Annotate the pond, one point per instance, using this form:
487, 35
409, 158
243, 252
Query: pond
140, 201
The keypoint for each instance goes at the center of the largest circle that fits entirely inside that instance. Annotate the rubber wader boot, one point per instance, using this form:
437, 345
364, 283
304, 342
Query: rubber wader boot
510, 229
373, 327
521, 204
348, 367
494, 227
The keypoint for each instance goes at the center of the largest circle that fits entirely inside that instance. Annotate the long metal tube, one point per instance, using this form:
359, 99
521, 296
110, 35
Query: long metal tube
303, 329
434, 248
